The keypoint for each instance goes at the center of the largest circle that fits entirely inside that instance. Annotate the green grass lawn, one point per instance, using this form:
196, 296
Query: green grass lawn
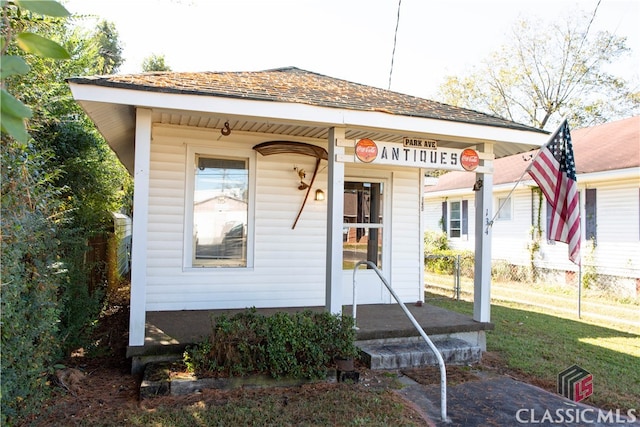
541, 345
337, 405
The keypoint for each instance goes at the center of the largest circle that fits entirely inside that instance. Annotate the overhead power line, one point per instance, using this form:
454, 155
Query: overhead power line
395, 38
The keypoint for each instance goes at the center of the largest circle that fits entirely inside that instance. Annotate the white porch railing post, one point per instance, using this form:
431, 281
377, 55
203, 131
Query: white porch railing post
443, 370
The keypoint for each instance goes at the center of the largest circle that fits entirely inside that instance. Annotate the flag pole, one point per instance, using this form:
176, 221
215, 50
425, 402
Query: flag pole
580, 288
553, 135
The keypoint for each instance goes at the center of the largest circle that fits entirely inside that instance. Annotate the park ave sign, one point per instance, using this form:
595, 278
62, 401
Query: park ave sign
415, 152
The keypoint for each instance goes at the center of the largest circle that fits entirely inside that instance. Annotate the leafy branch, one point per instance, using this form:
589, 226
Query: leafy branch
13, 111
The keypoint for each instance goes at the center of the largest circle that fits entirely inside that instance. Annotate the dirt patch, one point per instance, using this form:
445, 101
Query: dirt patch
431, 375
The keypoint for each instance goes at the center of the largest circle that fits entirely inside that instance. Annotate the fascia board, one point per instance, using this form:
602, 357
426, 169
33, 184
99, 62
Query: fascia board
307, 114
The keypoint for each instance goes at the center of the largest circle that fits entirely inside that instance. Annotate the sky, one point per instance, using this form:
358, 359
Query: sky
347, 39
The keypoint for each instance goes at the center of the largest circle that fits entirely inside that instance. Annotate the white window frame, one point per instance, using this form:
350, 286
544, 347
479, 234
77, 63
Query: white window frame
193, 151
506, 213
449, 218
385, 226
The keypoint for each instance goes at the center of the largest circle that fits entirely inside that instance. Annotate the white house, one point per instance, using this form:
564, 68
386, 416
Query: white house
227, 166
608, 173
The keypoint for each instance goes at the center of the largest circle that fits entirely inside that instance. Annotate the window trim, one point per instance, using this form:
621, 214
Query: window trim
193, 151
510, 208
464, 218
591, 215
450, 218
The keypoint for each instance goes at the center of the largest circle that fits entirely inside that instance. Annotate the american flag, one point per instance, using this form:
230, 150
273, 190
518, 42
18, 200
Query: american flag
554, 169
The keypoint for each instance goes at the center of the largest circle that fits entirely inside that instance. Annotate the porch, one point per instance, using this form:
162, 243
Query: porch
167, 333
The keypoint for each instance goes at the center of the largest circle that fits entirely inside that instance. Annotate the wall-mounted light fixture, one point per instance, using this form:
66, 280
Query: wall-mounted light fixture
319, 195
478, 185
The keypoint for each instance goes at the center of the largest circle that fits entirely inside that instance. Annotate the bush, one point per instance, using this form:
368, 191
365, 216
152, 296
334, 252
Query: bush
505, 271
443, 262
435, 241
30, 281
299, 345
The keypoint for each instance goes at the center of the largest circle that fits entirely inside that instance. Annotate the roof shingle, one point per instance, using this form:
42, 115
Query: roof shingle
294, 85
610, 146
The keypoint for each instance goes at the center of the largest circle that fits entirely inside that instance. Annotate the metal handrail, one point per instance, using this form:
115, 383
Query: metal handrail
443, 371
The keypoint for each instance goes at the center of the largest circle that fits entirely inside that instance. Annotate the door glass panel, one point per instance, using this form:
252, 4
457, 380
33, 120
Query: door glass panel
362, 224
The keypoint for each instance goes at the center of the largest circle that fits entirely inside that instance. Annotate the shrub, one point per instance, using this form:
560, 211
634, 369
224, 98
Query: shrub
299, 345
30, 281
435, 241
443, 262
505, 271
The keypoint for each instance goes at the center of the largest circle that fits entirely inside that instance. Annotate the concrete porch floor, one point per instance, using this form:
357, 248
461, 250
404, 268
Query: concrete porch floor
171, 331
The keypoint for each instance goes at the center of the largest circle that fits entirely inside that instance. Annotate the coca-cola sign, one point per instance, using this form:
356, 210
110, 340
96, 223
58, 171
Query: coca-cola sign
366, 150
469, 159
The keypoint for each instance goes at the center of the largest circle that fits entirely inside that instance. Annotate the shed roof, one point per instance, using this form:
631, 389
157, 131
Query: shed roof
286, 102
291, 84
606, 147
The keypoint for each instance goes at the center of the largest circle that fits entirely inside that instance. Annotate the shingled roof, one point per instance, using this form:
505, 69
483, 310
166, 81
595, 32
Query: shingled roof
610, 146
293, 85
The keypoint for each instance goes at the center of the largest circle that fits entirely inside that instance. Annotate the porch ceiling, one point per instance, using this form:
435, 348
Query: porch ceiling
321, 132
296, 131
116, 122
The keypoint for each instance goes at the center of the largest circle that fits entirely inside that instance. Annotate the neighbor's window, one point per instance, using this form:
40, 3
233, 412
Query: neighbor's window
455, 219
504, 206
220, 212
362, 224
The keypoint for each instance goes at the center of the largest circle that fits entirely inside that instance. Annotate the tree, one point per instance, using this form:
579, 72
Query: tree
30, 225
59, 182
548, 69
155, 63
13, 111
109, 49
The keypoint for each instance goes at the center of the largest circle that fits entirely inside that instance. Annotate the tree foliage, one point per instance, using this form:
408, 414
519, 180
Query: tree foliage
155, 63
548, 70
59, 182
14, 112
109, 49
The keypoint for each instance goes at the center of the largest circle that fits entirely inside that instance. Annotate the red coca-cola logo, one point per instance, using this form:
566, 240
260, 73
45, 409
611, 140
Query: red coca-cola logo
469, 159
366, 150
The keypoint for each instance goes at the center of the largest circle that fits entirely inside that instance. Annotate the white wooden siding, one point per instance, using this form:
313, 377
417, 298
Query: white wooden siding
288, 264
618, 236
406, 247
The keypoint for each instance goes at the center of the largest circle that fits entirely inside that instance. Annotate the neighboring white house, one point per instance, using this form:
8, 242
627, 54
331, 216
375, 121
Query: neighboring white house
224, 162
608, 171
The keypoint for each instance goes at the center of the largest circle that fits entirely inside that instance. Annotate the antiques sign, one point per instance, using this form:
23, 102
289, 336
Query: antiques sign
416, 153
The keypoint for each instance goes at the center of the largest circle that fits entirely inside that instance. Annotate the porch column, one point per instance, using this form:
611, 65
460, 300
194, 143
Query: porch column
137, 315
335, 219
482, 268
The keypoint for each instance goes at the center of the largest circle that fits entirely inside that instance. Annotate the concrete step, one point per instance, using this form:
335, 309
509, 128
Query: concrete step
413, 354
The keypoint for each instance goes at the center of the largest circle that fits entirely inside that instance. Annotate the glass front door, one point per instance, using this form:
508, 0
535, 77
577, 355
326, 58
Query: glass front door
363, 240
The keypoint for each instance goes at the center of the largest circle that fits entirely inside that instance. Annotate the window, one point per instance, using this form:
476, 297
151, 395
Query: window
590, 215
455, 218
220, 211
504, 208
362, 223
